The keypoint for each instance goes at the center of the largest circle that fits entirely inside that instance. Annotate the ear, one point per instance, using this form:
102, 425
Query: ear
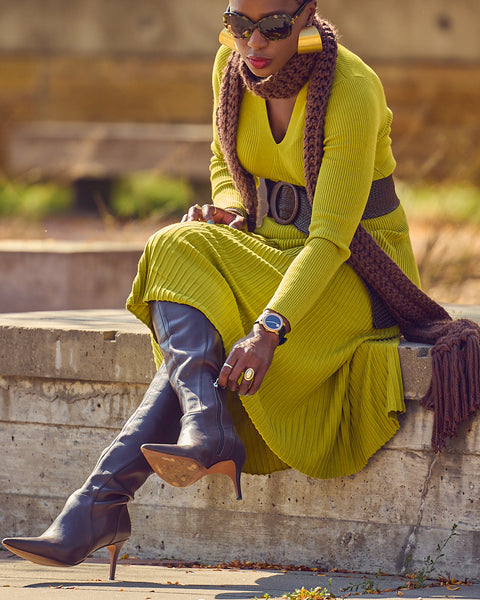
311, 11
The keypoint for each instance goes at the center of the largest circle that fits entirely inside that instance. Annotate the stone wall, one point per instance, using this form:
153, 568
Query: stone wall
69, 380
144, 62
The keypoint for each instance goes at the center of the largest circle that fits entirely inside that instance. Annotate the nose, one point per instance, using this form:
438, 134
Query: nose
256, 40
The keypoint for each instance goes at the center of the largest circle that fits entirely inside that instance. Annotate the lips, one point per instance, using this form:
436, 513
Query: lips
259, 62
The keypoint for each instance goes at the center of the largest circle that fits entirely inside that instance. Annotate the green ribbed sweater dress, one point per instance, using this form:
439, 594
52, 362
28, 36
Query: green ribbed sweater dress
331, 395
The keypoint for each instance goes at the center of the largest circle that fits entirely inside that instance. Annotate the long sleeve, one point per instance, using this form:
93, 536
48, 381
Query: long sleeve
357, 150
351, 130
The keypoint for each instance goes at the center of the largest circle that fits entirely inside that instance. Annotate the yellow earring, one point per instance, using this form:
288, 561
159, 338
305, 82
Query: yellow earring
309, 40
227, 39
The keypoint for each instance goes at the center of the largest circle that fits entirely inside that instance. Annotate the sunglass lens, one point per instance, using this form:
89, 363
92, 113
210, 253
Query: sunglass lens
272, 28
238, 26
275, 28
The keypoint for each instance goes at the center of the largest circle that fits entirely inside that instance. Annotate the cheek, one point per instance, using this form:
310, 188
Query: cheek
288, 49
242, 47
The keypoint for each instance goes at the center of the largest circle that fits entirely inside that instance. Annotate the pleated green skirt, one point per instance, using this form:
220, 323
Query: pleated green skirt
331, 397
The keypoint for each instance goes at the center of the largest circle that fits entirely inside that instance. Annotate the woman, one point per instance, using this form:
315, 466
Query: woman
223, 290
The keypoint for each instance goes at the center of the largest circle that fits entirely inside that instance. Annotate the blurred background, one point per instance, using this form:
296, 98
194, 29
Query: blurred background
105, 112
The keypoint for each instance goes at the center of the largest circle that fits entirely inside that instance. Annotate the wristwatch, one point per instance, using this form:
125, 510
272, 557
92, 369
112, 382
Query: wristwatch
274, 324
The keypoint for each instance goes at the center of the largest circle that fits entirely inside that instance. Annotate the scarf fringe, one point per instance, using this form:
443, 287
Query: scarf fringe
454, 392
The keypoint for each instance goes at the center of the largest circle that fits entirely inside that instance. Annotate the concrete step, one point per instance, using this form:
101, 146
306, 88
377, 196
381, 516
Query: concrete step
70, 379
63, 275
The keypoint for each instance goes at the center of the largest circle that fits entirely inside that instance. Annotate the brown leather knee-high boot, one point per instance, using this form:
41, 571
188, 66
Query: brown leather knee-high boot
193, 354
96, 515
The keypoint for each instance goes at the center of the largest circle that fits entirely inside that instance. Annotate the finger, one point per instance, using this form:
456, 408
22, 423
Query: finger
248, 377
208, 212
249, 384
195, 213
224, 373
234, 377
256, 383
198, 212
238, 223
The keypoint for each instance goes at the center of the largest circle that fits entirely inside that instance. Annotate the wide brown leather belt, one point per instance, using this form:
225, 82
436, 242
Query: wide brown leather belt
288, 203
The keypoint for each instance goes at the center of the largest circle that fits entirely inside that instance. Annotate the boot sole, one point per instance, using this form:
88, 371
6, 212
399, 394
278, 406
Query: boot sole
182, 471
37, 559
113, 549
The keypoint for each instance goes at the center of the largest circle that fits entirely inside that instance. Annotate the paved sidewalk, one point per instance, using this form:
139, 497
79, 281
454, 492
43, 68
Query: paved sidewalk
21, 580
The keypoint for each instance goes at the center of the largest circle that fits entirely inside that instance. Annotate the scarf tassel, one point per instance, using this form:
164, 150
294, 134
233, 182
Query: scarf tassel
454, 392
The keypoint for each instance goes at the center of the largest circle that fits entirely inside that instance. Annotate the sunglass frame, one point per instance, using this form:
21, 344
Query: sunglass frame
250, 28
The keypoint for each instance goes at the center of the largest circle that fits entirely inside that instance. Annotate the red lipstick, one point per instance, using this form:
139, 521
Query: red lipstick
258, 62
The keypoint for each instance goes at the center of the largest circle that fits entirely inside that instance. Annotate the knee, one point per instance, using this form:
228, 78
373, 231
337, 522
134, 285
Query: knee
177, 231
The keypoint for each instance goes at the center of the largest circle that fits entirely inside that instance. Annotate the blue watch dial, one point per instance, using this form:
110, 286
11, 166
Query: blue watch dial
273, 322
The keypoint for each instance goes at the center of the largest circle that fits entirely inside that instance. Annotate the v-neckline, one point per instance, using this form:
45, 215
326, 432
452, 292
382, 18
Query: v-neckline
285, 135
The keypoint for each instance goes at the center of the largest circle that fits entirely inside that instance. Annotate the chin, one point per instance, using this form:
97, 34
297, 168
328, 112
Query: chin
261, 73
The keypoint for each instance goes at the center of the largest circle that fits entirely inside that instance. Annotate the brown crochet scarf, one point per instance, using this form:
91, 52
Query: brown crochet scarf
454, 392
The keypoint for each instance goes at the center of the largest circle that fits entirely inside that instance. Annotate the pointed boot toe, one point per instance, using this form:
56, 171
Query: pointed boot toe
36, 550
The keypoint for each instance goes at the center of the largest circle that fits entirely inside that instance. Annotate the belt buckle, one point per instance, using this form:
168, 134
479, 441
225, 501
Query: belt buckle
275, 196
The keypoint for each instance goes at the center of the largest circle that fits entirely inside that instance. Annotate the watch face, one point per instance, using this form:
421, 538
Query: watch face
273, 322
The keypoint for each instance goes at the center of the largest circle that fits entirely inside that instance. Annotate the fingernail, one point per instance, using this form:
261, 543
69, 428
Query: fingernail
210, 221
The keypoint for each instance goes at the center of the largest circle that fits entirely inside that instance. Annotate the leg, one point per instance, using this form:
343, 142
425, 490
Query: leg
193, 354
96, 515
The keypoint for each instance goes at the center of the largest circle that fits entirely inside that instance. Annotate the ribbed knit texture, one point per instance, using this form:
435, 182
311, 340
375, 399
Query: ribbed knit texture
330, 398
319, 67
454, 393
357, 150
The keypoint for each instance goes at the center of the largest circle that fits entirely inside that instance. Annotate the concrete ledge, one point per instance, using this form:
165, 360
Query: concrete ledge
78, 149
69, 380
61, 275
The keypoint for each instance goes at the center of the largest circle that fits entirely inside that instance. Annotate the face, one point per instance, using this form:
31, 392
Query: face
264, 57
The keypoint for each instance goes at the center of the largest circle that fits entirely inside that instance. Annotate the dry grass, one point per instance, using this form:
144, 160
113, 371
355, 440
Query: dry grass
445, 231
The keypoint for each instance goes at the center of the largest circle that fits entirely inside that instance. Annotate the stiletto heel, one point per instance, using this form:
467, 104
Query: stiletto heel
231, 469
182, 470
114, 551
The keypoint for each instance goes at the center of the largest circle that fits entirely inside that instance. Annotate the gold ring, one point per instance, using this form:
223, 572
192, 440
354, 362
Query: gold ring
227, 365
249, 374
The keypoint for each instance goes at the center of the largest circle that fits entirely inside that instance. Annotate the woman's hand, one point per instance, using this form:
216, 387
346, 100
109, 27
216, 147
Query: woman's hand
208, 213
254, 351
